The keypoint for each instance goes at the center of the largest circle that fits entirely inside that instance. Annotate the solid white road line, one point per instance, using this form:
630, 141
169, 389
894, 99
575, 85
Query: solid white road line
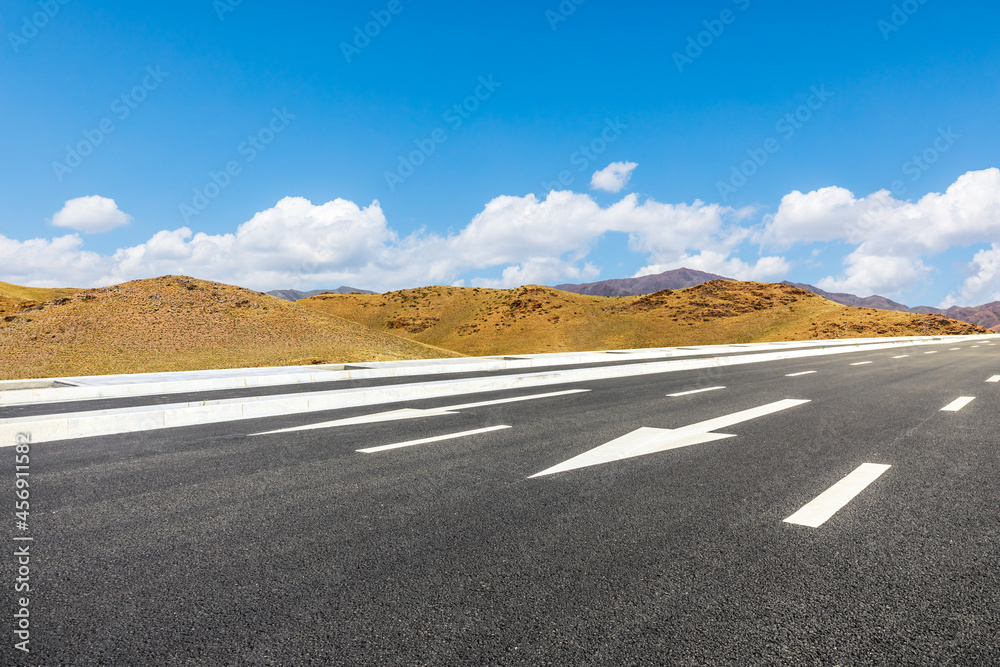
795, 375
995, 378
694, 391
651, 440
815, 513
515, 399
958, 404
450, 436
902, 356
393, 415
412, 413
861, 363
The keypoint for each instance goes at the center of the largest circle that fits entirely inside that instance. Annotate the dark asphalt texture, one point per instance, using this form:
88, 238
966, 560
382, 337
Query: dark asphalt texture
201, 546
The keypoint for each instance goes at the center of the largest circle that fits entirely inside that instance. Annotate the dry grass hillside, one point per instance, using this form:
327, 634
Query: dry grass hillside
14, 298
534, 319
176, 323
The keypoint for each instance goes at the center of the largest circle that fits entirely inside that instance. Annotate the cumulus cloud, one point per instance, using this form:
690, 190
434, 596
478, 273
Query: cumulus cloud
516, 240
893, 238
300, 244
91, 215
541, 271
614, 177
983, 284
59, 262
865, 274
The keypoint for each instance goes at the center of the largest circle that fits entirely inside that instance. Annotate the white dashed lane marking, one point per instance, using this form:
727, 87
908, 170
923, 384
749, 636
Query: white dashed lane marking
695, 391
995, 378
958, 404
902, 356
414, 413
861, 363
450, 436
815, 513
795, 375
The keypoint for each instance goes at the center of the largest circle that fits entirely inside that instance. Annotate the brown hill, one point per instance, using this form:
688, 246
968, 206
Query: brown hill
15, 298
534, 319
176, 323
672, 280
986, 315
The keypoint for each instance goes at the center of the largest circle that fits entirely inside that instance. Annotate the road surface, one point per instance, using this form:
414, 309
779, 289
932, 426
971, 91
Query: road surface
829, 509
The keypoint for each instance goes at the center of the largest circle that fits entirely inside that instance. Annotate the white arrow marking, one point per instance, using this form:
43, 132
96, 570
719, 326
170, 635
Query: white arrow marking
815, 513
694, 391
413, 413
651, 440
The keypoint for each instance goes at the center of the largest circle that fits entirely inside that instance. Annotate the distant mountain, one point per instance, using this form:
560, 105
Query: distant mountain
295, 295
877, 302
987, 315
676, 279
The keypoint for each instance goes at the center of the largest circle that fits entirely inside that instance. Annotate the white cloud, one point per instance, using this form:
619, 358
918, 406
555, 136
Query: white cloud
59, 262
614, 177
90, 215
541, 271
983, 284
867, 274
293, 243
300, 244
893, 238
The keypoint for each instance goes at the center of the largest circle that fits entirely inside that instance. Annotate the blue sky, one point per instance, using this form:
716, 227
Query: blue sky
271, 146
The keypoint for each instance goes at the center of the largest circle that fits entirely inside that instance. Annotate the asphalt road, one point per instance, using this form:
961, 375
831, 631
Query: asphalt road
209, 546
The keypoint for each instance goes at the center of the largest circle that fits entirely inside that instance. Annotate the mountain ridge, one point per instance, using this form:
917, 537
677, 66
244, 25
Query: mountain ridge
985, 315
674, 279
295, 295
